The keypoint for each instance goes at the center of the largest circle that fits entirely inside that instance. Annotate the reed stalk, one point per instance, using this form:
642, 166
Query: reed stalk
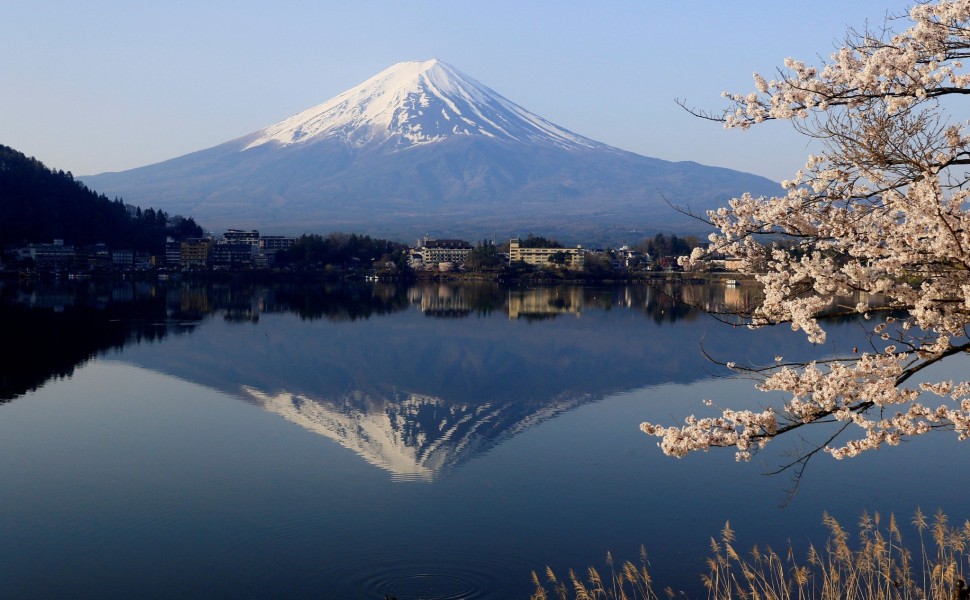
876, 565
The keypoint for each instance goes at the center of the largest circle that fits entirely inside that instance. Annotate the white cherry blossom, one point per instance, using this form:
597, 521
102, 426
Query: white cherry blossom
881, 212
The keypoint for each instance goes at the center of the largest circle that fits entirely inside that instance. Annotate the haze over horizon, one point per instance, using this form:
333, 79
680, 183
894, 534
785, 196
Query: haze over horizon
110, 86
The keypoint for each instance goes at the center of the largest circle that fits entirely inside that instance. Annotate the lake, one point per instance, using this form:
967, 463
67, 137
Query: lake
190, 440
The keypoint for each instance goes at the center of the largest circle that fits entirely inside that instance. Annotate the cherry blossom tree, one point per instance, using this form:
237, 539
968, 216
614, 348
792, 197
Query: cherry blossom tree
881, 211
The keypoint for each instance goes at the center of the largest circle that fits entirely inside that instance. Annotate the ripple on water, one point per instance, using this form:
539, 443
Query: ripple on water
436, 575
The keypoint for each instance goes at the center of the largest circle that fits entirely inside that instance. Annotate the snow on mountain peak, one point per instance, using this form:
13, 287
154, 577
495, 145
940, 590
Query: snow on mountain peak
413, 103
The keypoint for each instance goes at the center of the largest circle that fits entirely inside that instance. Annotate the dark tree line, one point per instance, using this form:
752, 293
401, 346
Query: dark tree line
537, 241
342, 301
342, 250
38, 204
52, 343
669, 245
485, 256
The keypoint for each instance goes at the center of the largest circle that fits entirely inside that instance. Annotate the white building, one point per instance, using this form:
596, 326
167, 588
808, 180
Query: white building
433, 252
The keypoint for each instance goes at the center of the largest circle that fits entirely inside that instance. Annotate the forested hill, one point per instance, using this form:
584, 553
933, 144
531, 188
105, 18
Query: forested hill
38, 204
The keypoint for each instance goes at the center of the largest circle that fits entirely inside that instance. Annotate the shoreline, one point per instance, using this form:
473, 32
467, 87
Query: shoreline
534, 278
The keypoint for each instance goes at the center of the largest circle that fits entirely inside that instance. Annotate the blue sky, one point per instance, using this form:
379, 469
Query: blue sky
110, 85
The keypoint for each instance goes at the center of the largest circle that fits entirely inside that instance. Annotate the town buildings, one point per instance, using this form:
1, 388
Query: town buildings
431, 253
571, 258
239, 250
236, 249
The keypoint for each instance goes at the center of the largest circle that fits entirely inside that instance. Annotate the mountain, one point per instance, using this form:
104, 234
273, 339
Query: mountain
422, 147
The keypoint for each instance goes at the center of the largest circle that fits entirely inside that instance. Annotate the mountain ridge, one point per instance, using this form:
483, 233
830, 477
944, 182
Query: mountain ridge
421, 148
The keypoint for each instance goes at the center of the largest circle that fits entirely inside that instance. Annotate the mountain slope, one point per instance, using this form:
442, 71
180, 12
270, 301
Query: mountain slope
421, 147
38, 204
415, 103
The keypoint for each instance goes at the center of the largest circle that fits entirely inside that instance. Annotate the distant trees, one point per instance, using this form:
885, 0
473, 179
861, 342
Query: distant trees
38, 204
484, 256
664, 245
180, 228
558, 258
148, 229
537, 241
598, 265
342, 250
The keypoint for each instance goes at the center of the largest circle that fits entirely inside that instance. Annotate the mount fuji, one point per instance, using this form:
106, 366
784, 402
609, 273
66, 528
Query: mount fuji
421, 147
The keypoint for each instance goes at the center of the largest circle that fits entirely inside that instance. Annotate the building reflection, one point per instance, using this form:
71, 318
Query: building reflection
445, 301
411, 397
664, 301
545, 302
81, 319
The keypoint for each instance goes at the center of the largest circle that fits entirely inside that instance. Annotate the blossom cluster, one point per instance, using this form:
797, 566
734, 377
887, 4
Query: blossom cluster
881, 213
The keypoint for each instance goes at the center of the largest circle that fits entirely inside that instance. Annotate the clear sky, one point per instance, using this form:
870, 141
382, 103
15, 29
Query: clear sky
108, 85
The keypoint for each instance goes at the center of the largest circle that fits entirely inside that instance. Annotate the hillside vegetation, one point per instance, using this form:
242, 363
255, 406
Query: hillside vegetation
38, 204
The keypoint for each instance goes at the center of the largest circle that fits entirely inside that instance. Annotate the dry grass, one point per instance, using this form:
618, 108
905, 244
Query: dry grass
875, 566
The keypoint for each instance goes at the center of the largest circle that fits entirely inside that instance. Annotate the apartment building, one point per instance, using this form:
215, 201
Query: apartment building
571, 258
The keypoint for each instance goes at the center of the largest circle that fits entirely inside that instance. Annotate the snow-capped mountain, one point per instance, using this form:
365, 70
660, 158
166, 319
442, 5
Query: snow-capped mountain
416, 103
422, 148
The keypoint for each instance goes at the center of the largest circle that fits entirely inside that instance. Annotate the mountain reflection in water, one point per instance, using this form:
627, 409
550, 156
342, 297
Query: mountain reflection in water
363, 364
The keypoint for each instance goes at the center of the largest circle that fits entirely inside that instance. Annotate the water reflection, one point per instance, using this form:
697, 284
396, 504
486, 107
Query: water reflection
130, 479
338, 301
412, 436
49, 331
543, 303
411, 395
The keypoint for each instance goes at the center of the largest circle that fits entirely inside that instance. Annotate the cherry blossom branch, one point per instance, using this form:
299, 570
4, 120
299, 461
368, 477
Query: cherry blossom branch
883, 213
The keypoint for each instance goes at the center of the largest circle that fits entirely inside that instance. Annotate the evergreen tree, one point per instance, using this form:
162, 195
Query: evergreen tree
38, 204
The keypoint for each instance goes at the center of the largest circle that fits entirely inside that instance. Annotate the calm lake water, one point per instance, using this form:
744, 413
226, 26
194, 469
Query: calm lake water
432, 442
